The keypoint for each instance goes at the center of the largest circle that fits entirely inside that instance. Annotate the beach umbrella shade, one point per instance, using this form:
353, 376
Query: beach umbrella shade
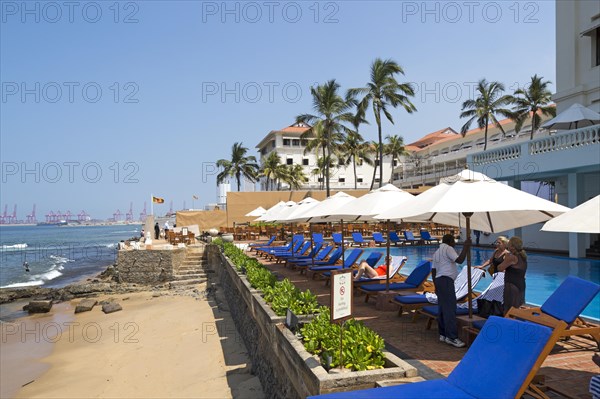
584, 218
289, 214
272, 211
276, 214
256, 212
574, 117
480, 203
321, 212
374, 202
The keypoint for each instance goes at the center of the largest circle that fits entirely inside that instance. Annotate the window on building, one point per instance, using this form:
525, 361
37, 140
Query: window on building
596, 38
290, 161
272, 143
320, 180
286, 142
303, 142
305, 161
359, 179
377, 162
342, 179
396, 176
296, 142
395, 163
377, 180
359, 162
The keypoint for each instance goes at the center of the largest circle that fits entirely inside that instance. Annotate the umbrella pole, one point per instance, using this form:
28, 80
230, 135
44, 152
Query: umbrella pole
387, 258
342, 232
310, 229
467, 216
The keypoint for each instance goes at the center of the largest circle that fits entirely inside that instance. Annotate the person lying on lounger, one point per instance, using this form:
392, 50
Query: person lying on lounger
364, 269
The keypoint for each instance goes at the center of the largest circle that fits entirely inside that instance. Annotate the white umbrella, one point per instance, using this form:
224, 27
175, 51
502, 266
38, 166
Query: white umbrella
275, 215
270, 211
482, 204
371, 204
320, 212
574, 117
584, 218
289, 214
256, 212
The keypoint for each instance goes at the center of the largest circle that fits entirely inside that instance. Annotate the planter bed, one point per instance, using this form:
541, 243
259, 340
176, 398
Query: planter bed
279, 359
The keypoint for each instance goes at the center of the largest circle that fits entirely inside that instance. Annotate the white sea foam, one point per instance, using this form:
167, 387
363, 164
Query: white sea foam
14, 246
110, 245
51, 275
24, 284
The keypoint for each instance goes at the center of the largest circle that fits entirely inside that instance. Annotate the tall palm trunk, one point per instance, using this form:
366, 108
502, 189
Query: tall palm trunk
237, 178
374, 174
380, 146
485, 135
354, 167
392, 171
533, 123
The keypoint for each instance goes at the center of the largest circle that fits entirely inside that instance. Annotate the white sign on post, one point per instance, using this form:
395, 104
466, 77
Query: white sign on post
341, 295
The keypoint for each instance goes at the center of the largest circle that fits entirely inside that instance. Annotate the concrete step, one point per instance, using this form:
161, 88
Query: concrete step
181, 283
189, 277
193, 262
187, 272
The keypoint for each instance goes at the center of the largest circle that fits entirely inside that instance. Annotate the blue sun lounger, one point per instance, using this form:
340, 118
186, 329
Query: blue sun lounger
359, 240
418, 301
395, 239
301, 251
378, 238
348, 262
254, 245
413, 282
409, 237
425, 236
333, 259
337, 238
371, 260
515, 347
313, 252
303, 260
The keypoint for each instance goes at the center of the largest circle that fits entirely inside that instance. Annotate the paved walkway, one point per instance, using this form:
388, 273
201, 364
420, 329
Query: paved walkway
567, 367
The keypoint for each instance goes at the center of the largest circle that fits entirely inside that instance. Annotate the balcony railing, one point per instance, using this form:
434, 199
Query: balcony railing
500, 154
565, 141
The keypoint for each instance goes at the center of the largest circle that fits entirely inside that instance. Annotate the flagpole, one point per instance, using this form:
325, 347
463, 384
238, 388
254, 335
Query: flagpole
152, 204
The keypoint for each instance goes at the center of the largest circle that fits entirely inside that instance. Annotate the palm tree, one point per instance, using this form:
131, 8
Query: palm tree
531, 100
372, 147
332, 109
382, 92
353, 148
484, 108
295, 176
240, 165
271, 165
394, 148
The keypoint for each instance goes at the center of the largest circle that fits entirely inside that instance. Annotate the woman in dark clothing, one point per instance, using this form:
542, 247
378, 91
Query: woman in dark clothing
497, 257
514, 268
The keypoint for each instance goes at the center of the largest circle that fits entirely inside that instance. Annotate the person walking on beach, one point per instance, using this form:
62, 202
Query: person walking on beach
444, 272
156, 231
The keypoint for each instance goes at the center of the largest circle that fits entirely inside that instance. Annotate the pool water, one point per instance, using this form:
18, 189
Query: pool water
544, 272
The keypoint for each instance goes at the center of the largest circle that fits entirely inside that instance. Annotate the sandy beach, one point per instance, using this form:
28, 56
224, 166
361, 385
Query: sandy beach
162, 344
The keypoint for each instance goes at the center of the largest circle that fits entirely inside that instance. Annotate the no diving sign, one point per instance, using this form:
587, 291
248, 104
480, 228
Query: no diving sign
341, 295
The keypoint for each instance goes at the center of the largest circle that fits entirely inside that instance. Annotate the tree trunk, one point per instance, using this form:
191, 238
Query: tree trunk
380, 150
354, 167
374, 174
327, 170
485, 135
237, 178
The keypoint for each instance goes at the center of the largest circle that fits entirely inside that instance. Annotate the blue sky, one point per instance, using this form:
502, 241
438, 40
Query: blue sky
104, 103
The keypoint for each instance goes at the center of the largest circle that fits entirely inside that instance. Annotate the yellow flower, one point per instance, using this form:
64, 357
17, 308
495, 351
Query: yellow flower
369, 348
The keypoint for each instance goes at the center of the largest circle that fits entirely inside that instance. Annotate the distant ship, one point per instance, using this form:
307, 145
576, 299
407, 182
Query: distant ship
59, 223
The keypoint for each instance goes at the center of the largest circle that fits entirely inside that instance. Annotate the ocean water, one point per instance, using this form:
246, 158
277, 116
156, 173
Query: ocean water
58, 255
544, 272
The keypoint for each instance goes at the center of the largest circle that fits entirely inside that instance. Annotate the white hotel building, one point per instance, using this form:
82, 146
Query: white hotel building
289, 145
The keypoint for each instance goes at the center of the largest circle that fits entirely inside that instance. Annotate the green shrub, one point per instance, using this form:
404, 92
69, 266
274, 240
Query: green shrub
362, 347
284, 295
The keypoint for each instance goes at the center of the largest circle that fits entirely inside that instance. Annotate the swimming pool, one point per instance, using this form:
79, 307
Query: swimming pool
544, 272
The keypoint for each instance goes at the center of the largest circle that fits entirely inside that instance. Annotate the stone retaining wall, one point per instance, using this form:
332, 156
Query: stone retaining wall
149, 266
285, 368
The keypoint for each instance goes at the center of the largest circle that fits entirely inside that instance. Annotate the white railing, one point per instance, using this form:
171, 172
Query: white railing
566, 141
498, 155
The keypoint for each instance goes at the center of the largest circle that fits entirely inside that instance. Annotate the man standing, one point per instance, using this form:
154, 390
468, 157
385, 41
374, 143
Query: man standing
444, 272
156, 231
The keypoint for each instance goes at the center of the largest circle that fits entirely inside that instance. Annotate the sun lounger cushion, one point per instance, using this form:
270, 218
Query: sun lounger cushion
561, 304
504, 344
411, 299
381, 287
433, 310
